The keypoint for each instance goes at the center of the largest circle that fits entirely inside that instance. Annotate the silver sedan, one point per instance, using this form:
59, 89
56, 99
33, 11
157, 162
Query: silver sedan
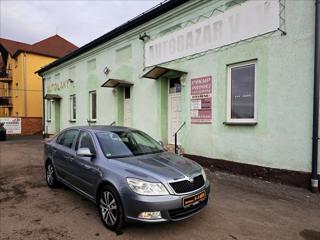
127, 174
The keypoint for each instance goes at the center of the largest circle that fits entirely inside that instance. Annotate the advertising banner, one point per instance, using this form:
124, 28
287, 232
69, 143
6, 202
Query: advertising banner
12, 125
246, 20
201, 100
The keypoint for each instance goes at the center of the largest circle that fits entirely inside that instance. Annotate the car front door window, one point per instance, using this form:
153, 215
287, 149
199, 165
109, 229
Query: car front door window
68, 138
85, 141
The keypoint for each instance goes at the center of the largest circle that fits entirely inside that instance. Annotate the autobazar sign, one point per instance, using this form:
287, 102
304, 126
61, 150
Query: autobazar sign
12, 125
243, 21
59, 85
201, 100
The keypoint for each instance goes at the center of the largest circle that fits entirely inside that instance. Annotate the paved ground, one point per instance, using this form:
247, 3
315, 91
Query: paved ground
240, 208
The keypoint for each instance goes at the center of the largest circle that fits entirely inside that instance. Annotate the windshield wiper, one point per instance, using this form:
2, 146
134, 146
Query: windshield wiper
145, 153
121, 156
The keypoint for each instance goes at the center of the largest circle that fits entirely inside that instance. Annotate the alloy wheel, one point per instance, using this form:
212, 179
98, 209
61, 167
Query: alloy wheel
108, 208
50, 174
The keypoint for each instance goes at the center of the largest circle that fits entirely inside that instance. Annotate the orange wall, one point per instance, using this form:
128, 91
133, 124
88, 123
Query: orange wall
29, 89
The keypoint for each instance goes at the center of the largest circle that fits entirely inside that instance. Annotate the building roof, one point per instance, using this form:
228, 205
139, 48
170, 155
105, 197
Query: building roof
54, 46
147, 16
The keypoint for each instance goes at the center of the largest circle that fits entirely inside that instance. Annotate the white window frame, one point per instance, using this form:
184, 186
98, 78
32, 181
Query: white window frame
72, 101
242, 120
90, 106
49, 110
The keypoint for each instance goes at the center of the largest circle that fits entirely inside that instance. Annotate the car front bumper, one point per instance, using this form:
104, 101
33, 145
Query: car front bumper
170, 206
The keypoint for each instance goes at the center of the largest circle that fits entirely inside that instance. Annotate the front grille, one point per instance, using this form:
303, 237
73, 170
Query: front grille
185, 212
186, 186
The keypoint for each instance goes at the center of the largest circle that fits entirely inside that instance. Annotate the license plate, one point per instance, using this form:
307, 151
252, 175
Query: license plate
193, 200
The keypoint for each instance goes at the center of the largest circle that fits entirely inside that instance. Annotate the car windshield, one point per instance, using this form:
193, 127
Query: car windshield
117, 144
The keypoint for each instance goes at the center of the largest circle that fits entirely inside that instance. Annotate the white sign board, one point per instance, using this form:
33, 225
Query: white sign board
12, 125
250, 19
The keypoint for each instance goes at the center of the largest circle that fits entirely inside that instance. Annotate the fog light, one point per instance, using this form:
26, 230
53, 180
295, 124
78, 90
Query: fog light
150, 215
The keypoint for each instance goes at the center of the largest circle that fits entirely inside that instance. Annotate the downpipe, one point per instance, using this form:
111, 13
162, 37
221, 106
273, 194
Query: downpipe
44, 131
315, 133
25, 84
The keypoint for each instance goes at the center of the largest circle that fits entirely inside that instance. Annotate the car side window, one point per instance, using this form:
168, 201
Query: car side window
85, 141
68, 138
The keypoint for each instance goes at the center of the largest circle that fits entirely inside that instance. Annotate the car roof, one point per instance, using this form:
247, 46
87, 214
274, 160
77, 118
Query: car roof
99, 128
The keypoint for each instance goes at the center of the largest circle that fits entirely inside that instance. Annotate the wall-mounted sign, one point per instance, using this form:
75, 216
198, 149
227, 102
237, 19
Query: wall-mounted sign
201, 100
12, 125
240, 22
59, 85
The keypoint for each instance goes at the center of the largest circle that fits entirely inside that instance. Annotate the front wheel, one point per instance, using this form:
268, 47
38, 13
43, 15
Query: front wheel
51, 176
110, 209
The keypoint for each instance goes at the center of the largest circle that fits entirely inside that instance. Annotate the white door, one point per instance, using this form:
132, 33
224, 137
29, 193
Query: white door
174, 109
127, 107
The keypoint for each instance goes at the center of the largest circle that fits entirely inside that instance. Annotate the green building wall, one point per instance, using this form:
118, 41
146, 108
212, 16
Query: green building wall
284, 89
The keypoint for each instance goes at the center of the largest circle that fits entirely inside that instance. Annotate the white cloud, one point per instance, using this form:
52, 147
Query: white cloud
79, 21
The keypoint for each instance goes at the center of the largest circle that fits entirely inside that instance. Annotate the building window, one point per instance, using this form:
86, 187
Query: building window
93, 105
174, 85
127, 93
72, 73
91, 65
241, 107
49, 110
73, 108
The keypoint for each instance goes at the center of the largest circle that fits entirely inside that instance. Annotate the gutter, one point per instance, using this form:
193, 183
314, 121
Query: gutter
315, 135
44, 134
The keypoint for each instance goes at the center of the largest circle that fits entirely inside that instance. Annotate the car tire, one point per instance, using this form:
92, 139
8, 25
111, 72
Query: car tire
51, 178
110, 208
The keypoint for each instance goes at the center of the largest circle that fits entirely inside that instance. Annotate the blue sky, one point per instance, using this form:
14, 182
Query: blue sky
79, 21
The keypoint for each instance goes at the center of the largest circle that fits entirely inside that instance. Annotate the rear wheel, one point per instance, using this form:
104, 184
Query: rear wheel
51, 176
110, 209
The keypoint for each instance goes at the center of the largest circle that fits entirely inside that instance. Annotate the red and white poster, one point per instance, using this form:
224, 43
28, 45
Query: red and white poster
12, 125
201, 100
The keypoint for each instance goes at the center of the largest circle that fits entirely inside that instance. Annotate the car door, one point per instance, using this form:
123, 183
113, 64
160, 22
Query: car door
87, 174
63, 152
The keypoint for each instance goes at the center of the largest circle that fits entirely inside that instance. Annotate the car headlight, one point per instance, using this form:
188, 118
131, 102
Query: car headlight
204, 175
146, 188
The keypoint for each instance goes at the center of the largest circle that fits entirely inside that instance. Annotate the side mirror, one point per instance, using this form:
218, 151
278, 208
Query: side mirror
85, 152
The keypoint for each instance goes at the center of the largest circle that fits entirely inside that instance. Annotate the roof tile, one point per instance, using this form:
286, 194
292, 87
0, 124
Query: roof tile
54, 46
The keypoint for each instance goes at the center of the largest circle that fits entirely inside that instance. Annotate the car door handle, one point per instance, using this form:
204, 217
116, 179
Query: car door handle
66, 157
87, 166
71, 158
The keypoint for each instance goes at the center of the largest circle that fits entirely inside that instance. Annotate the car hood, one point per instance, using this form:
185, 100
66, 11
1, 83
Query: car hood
164, 165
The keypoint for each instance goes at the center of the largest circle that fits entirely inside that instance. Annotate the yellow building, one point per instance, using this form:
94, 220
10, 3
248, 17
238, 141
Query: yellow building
20, 87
